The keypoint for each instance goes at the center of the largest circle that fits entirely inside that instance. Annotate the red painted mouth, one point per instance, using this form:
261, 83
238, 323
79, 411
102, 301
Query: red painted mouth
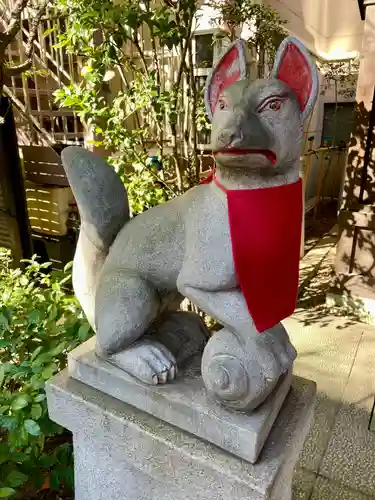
270, 155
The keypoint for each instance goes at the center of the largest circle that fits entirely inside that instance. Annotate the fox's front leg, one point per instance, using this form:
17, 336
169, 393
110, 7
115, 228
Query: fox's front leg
240, 367
126, 306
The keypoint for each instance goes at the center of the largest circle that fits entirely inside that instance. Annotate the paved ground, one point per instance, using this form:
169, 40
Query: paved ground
338, 460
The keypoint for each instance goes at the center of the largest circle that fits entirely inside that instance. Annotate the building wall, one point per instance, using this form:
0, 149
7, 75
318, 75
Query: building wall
330, 28
334, 169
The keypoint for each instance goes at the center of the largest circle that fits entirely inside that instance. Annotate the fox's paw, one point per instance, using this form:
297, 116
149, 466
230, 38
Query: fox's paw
148, 361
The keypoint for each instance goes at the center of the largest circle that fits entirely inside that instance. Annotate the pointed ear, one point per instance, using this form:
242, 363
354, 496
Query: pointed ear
230, 68
294, 66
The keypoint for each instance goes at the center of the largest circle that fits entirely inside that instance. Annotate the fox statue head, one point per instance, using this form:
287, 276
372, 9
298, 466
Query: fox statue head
257, 126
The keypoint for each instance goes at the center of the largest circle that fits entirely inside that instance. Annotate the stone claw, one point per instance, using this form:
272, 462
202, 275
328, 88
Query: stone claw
148, 361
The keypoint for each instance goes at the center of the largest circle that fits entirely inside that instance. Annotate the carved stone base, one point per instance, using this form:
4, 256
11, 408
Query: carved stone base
122, 453
184, 403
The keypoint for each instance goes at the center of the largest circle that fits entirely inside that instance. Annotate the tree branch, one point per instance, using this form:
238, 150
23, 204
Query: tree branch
140, 52
32, 36
33, 33
4, 16
17, 70
14, 23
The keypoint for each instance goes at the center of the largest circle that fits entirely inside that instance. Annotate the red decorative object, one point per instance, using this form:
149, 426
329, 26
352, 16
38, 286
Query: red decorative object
225, 74
209, 177
295, 71
265, 227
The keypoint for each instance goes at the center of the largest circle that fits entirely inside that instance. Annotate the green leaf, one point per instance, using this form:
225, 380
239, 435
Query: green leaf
52, 312
54, 480
2, 374
37, 382
83, 332
36, 412
59, 349
36, 353
23, 280
60, 45
49, 371
68, 267
6, 492
45, 357
5, 343
20, 438
4, 452
65, 280
47, 461
39, 398
68, 477
34, 317
37, 370
16, 478
8, 423
49, 31
32, 427
4, 321
19, 456
39, 478
21, 401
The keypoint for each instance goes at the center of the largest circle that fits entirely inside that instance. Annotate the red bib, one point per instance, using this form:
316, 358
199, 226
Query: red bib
265, 227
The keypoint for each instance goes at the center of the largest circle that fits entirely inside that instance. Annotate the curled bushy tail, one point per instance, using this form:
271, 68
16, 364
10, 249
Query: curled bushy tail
99, 193
103, 206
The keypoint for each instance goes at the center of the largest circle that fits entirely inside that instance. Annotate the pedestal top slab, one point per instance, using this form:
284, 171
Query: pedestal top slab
117, 445
184, 403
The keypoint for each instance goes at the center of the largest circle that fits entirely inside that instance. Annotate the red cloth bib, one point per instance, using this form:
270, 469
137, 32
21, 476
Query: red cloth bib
265, 227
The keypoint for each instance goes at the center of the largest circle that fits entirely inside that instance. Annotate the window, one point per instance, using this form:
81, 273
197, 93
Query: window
338, 123
200, 82
204, 51
204, 136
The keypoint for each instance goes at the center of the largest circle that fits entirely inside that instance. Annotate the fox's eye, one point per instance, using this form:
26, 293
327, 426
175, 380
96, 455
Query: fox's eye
273, 104
222, 103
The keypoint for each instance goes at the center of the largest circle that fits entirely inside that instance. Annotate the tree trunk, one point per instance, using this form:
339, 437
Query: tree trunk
16, 233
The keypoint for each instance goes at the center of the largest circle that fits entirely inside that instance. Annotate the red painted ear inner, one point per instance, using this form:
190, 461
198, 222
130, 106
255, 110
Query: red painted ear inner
225, 74
295, 71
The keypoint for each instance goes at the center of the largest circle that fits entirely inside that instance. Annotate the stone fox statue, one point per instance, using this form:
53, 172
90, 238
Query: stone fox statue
126, 269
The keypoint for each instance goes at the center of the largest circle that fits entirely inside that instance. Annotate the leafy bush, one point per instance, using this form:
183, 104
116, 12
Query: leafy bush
40, 322
150, 113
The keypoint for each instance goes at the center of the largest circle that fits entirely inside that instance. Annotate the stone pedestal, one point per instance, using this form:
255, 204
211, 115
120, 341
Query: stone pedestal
184, 404
123, 453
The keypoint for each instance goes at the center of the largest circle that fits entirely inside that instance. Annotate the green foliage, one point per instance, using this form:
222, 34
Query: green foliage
40, 322
268, 27
148, 111
130, 157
